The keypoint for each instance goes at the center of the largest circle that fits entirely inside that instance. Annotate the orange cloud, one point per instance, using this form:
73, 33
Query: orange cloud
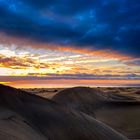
16, 62
102, 53
107, 53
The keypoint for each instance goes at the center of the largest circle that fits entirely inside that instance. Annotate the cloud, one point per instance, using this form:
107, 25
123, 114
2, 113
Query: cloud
20, 63
69, 77
134, 62
98, 24
25, 43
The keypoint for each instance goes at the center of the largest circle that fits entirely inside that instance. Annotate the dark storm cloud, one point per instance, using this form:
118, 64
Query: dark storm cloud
63, 7
98, 24
22, 26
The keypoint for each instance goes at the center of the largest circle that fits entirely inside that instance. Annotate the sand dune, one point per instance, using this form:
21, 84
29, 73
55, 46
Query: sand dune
81, 98
28, 117
118, 111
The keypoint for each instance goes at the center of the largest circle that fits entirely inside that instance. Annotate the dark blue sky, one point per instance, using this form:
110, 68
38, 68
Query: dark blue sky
97, 24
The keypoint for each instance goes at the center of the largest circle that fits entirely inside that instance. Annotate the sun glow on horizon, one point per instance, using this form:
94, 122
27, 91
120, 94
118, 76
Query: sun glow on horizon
72, 83
46, 41
41, 62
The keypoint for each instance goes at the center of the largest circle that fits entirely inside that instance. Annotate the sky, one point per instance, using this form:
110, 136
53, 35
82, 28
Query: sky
58, 43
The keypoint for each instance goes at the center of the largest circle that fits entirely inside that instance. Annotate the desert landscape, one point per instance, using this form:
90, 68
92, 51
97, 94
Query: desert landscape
69, 69
117, 107
79, 113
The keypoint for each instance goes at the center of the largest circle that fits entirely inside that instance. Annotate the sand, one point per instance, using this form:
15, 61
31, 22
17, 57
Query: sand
117, 107
25, 116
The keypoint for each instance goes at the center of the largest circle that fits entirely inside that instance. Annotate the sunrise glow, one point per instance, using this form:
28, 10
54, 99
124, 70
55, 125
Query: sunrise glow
78, 45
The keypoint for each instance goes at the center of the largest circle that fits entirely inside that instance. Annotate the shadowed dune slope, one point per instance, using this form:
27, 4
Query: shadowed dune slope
118, 111
81, 98
29, 117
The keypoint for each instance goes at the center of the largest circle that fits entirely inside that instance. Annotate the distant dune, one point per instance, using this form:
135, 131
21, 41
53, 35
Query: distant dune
29, 117
121, 112
81, 98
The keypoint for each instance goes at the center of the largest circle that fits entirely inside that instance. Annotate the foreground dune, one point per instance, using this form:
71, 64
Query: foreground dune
118, 111
28, 117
